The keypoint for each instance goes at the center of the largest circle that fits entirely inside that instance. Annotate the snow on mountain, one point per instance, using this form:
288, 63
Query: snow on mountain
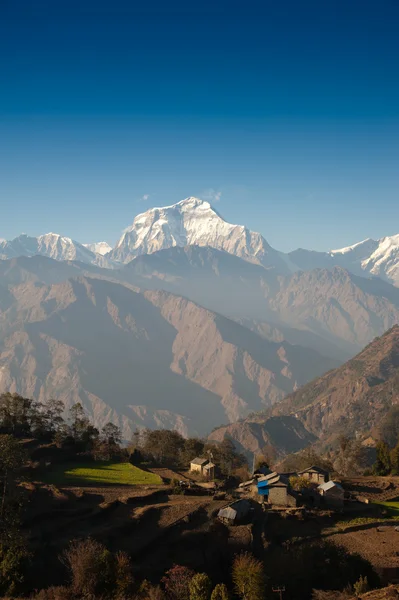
369, 257
52, 245
99, 248
195, 222
379, 257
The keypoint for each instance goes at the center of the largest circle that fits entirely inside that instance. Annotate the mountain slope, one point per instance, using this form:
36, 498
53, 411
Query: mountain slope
331, 311
194, 222
149, 358
353, 398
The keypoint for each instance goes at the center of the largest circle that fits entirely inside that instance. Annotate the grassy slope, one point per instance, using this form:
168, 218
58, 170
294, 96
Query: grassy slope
100, 473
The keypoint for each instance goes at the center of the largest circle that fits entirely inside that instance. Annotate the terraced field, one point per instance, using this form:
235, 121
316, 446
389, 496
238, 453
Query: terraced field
100, 473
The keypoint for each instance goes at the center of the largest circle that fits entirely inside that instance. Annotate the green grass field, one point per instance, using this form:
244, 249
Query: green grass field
392, 508
100, 473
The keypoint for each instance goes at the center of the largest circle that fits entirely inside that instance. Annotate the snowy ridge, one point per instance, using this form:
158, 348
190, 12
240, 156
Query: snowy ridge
194, 222
51, 245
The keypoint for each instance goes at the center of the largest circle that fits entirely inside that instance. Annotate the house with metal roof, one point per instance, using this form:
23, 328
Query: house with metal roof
275, 490
235, 512
332, 494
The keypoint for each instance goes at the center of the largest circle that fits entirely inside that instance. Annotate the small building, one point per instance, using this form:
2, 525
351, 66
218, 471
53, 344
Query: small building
235, 512
332, 494
275, 489
209, 470
198, 464
315, 474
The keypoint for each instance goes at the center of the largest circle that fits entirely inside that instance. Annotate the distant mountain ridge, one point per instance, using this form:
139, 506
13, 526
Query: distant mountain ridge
195, 222
149, 358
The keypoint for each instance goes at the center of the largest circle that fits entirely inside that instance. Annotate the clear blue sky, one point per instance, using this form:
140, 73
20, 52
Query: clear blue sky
288, 110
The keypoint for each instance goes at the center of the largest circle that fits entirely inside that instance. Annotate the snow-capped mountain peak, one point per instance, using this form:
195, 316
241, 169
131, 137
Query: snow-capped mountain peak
193, 221
99, 248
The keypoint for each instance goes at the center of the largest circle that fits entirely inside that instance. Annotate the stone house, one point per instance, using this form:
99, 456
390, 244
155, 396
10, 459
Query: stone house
275, 489
315, 474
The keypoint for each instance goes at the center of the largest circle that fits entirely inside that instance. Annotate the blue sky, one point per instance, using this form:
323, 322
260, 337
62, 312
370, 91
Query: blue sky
288, 111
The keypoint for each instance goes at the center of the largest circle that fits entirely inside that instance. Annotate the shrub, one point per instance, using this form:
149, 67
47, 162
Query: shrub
124, 581
220, 592
361, 586
200, 587
248, 577
90, 566
177, 582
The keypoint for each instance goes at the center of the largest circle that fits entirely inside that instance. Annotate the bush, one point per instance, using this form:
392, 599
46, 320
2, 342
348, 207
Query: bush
90, 566
220, 592
248, 577
361, 586
200, 587
124, 581
177, 582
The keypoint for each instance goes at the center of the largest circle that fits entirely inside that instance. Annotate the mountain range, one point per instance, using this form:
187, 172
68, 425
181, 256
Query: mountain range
188, 322
195, 222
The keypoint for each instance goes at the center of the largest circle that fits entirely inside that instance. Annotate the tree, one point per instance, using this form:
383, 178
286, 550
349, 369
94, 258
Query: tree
299, 483
220, 592
200, 587
382, 466
163, 446
111, 435
177, 582
16, 414
351, 457
248, 577
395, 460
13, 551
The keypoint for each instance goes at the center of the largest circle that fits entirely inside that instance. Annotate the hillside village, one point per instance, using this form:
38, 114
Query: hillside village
166, 501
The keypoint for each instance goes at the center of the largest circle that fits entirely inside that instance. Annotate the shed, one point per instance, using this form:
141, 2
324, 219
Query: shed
209, 470
197, 465
315, 474
235, 512
332, 494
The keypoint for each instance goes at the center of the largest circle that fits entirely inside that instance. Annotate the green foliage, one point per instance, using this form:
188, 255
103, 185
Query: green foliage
299, 483
361, 586
382, 466
13, 552
389, 427
351, 457
200, 587
395, 460
220, 592
13, 559
101, 473
248, 577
